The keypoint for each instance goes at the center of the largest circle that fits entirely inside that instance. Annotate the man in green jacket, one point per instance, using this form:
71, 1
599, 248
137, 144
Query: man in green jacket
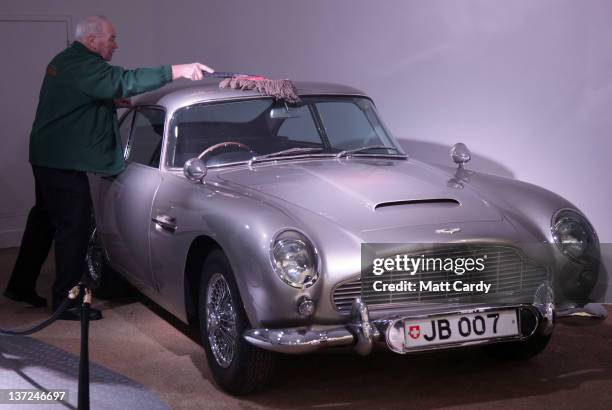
76, 131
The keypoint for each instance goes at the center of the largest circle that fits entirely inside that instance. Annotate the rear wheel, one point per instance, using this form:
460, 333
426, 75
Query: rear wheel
237, 366
104, 282
524, 350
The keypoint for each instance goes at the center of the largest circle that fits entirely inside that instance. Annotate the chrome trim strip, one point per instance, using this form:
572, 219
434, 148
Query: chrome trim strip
295, 157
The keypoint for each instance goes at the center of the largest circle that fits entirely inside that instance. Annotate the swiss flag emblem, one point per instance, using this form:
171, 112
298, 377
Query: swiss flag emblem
414, 331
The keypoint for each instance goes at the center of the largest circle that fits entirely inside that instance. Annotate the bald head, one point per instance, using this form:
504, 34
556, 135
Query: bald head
98, 35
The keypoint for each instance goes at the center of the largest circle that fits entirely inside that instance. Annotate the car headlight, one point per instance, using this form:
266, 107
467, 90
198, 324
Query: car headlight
574, 235
295, 259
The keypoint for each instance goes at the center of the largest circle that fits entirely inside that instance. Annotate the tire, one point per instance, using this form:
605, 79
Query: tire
105, 283
519, 351
237, 366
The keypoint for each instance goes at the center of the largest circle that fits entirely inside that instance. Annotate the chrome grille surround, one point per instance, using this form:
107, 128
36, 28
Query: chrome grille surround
513, 277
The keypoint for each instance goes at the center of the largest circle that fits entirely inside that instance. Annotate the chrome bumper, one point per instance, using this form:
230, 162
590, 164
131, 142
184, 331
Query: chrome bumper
360, 333
363, 333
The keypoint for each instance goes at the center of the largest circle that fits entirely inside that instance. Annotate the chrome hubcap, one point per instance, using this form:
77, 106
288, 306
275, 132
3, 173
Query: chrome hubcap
221, 320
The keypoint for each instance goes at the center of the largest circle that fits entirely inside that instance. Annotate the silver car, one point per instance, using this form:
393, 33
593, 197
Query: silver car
279, 228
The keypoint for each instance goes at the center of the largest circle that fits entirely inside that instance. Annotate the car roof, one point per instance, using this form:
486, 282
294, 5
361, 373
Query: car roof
182, 93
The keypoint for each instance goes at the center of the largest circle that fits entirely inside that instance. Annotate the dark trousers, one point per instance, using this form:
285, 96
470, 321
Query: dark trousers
62, 213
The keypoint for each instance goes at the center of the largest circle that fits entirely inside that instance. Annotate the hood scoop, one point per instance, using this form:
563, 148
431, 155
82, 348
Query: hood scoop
369, 194
429, 203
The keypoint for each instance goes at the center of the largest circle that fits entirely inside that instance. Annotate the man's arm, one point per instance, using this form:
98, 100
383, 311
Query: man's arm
103, 81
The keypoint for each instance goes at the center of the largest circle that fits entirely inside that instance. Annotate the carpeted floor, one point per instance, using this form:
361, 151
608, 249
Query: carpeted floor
26, 363
135, 339
139, 341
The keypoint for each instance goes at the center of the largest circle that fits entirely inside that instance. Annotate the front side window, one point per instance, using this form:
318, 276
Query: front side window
146, 137
346, 125
300, 127
262, 126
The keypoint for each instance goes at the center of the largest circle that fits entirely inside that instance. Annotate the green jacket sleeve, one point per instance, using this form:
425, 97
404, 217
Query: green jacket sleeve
100, 80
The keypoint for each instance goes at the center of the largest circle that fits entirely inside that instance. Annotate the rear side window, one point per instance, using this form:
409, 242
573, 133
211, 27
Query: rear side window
146, 137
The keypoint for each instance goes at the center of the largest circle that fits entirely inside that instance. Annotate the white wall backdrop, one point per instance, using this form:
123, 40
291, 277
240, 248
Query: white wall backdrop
39, 40
133, 18
526, 84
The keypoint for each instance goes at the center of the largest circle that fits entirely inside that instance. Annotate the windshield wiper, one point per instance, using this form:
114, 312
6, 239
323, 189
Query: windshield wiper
369, 147
290, 151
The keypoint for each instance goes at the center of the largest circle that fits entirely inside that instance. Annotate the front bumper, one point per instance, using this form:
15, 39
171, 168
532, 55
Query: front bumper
363, 333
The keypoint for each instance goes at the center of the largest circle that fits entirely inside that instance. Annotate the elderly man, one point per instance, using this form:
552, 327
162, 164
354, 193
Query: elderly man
76, 131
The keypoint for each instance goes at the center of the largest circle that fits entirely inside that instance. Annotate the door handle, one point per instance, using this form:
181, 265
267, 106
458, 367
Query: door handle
166, 222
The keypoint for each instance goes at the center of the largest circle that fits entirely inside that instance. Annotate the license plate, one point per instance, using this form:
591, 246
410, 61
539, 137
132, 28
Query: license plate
440, 330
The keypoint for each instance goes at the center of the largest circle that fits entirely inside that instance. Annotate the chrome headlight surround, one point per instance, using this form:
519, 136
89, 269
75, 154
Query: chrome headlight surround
294, 259
574, 235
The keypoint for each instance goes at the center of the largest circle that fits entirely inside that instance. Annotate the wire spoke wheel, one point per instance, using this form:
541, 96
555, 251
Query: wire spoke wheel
94, 257
221, 320
236, 366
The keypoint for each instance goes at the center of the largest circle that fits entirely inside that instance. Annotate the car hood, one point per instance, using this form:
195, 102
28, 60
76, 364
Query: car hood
366, 194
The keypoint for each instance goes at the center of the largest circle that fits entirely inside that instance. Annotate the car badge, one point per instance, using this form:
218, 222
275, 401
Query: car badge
448, 231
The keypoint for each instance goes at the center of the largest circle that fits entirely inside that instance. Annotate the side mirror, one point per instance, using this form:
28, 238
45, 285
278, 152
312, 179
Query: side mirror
195, 169
460, 154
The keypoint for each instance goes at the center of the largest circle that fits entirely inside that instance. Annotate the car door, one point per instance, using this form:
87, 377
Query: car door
128, 197
100, 185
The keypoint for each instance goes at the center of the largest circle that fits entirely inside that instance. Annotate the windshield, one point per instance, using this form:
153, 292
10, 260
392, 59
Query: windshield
260, 127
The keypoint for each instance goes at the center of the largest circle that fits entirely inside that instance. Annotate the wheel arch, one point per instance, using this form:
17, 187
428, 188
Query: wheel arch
199, 250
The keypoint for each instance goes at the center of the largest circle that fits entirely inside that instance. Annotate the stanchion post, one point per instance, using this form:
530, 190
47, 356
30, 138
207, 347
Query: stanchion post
84, 357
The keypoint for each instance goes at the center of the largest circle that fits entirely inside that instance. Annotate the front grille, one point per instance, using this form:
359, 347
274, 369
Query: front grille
512, 277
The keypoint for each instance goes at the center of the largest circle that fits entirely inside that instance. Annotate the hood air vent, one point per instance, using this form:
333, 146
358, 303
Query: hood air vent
442, 202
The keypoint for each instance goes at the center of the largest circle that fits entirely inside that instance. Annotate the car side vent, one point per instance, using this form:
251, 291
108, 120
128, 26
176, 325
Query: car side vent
441, 201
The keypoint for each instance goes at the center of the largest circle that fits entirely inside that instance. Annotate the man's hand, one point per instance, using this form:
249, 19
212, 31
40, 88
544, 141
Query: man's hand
193, 71
123, 103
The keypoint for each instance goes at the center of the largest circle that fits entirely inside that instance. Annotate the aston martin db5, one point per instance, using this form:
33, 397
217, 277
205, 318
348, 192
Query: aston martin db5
288, 228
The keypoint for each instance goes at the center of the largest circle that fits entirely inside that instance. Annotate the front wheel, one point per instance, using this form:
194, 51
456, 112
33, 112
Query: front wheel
237, 366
